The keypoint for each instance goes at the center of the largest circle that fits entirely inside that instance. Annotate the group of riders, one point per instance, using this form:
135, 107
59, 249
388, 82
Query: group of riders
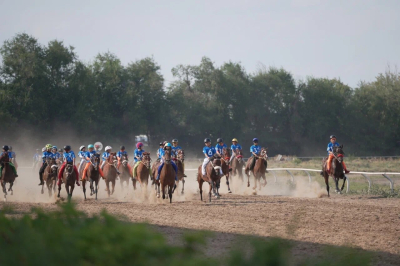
67, 156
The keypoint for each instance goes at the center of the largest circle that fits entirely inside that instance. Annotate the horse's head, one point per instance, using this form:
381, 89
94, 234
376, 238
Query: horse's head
263, 153
339, 153
216, 162
69, 169
167, 156
124, 160
53, 166
146, 159
239, 155
181, 155
95, 160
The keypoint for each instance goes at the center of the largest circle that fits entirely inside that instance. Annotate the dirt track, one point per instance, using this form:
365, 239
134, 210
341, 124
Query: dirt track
366, 222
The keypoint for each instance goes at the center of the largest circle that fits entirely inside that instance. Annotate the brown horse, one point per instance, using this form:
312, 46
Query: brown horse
50, 176
68, 179
259, 169
167, 178
124, 171
226, 156
179, 160
213, 176
154, 171
336, 171
94, 176
7, 174
110, 172
143, 170
237, 164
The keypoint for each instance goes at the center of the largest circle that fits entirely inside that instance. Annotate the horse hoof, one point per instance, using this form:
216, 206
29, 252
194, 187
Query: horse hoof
158, 196
229, 191
339, 192
12, 193
248, 184
182, 193
42, 192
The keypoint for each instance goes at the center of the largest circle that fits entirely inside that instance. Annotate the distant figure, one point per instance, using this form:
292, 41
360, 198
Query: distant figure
36, 158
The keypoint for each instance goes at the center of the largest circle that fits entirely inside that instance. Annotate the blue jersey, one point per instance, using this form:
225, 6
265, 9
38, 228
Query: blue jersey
175, 149
69, 156
82, 155
55, 156
89, 154
234, 147
256, 149
46, 155
160, 153
209, 151
138, 154
219, 148
11, 154
331, 145
120, 153
105, 156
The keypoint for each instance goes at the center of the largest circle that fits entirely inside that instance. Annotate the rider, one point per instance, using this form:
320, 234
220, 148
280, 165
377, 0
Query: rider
68, 157
54, 153
159, 151
167, 146
255, 152
36, 158
175, 147
105, 155
88, 156
7, 150
220, 146
235, 146
46, 154
209, 152
119, 157
82, 156
332, 144
61, 151
137, 157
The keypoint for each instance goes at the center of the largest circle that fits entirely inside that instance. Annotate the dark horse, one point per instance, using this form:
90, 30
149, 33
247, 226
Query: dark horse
68, 179
167, 178
179, 160
226, 156
259, 169
93, 174
50, 176
237, 164
7, 175
336, 171
124, 171
213, 176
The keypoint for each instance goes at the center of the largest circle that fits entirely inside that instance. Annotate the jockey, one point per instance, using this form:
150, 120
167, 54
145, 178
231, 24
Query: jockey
11, 154
82, 156
209, 152
88, 156
68, 157
234, 147
332, 144
137, 157
54, 153
175, 146
220, 146
36, 157
46, 154
61, 151
159, 151
167, 146
255, 151
105, 156
6, 149
119, 157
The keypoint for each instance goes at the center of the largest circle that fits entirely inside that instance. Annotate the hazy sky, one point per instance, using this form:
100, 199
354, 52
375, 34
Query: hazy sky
352, 40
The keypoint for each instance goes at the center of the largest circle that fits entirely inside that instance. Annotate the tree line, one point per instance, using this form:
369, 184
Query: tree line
47, 88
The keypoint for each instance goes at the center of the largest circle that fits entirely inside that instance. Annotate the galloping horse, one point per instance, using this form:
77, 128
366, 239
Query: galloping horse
50, 176
226, 156
213, 177
7, 174
259, 169
110, 172
143, 170
180, 158
167, 178
124, 171
336, 171
237, 164
154, 170
93, 174
68, 179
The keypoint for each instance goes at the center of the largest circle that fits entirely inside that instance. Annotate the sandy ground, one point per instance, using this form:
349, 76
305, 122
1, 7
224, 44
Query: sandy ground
304, 215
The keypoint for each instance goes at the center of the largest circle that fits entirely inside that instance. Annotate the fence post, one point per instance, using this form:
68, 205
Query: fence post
309, 176
390, 182
273, 173
369, 181
290, 175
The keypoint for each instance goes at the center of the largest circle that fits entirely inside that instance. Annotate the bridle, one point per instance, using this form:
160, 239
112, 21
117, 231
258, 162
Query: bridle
146, 160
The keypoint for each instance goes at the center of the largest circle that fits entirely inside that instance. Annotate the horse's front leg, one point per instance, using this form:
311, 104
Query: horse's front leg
108, 188
265, 180
255, 182
113, 186
344, 181
227, 183
42, 191
59, 189
3, 185
183, 186
337, 185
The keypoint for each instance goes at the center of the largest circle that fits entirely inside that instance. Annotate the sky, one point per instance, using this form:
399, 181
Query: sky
351, 40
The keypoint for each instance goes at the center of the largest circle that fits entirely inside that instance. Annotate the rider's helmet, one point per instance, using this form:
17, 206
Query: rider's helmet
139, 145
108, 148
174, 141
255, 140
60, 150
207, 140
332, 137
82, 147
90, 146
234, 140
219, 140
167, 145
54, 148
67, 148
161, 143
122, 148
6, 148
49, 146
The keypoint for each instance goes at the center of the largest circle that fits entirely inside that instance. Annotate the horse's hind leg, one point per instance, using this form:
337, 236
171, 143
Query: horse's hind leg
113, 186
72, 190
96, 188
108, 188
344, 181
227, 183
3, 184
337, 185
59, 189
42, 191
211, 188
10, 189
84, 188
183, 186
201, 189
326, 177
170, 193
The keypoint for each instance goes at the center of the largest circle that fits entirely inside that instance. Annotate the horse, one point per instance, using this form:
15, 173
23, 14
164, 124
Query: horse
226, 156
213, 176
50, 176
336, 171
68, 179
94, 176
110, 172
143, 170
154, 170
167, 178
237, 164
124, 171
259, 169
7, 174
180, 158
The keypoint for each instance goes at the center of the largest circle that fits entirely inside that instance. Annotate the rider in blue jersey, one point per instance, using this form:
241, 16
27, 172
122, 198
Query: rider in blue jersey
6, 150
68, 158
235, 146
46, 155
208, 152
159, 151
255, 151
167, 146
220, 146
